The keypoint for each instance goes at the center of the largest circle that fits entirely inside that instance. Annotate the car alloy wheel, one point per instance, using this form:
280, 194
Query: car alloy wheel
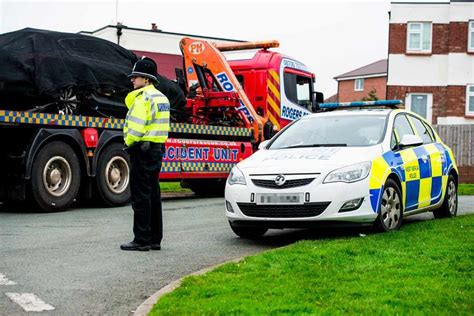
391, 208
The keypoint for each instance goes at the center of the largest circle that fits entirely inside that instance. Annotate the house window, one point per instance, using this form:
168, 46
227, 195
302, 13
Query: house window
470, 99
470, 46
359, 85
419, 37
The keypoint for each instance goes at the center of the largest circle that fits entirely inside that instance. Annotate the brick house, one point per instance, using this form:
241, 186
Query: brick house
431, 59
356, 84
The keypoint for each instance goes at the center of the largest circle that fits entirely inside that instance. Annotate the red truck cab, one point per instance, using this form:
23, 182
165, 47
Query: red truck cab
277, 86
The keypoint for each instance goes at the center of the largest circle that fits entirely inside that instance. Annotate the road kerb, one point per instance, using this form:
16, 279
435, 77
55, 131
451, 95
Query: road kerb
147, 305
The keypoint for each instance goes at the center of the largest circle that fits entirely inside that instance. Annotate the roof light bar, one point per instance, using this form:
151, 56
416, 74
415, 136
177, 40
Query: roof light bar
333, 106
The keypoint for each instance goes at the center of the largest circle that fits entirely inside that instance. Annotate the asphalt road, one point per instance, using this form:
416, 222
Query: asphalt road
72, 261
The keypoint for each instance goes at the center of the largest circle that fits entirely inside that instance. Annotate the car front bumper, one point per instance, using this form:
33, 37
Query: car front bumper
238, 198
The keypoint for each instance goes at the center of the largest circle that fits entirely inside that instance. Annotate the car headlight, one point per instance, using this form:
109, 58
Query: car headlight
349, 174
236, 177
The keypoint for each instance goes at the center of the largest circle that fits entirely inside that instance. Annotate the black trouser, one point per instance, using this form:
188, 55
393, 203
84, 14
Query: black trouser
145, 193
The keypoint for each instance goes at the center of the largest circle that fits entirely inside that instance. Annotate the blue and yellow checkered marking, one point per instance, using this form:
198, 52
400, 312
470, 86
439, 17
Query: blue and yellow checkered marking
423, 172
170, 166
210, 130
192, 166
207, 166
19, 117
59, 120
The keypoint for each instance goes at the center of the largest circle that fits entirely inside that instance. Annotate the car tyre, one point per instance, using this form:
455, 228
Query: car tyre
248, 232
55, 177
449, 208
391, 208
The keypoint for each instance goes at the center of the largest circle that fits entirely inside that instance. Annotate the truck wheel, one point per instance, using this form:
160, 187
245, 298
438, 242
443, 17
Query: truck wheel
248, 232
55, 177
449, 208
113, 175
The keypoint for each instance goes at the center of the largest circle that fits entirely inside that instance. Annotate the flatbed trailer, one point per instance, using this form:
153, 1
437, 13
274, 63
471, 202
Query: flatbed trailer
55, 159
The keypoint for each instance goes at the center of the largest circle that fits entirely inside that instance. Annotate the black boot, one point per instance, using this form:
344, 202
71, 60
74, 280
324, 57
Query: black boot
134, 246
155, 247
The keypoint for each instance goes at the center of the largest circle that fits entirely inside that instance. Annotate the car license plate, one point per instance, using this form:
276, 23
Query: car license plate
279, 198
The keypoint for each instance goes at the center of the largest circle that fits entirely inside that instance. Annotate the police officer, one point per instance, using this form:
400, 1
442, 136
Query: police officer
145, 132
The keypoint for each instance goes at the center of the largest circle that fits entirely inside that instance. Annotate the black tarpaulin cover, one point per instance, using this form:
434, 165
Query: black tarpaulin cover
40, 63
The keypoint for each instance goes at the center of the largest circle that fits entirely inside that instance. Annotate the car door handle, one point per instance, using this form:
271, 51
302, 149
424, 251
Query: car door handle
424, 158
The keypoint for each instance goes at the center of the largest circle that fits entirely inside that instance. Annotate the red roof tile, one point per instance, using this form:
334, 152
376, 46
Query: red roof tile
378, 67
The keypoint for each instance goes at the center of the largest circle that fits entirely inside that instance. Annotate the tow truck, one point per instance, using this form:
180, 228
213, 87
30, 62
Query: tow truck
53, 159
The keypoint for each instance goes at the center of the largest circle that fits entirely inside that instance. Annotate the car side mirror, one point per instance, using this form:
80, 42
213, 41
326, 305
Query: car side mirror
410, 141
263, 144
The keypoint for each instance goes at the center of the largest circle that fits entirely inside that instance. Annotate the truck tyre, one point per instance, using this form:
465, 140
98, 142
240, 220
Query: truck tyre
248, 232
113, 175
449, 208
55, 177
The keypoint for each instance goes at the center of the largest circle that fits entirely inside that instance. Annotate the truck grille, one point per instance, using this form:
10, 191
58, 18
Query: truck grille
288, 184
277, 211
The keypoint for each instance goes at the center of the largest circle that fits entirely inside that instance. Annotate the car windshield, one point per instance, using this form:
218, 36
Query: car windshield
332, 131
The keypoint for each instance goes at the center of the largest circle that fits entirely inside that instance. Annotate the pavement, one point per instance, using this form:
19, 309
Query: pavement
70, 263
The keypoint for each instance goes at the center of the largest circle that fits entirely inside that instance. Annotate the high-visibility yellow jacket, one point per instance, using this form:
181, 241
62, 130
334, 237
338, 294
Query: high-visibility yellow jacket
148, 117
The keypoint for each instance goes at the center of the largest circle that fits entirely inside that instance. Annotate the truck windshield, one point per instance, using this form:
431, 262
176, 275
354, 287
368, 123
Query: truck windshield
333, 131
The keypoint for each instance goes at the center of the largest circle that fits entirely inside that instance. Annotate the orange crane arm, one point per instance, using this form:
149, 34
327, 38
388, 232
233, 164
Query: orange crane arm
201, 57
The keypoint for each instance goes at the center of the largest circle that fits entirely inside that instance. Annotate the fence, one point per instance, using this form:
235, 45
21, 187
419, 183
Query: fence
460, 138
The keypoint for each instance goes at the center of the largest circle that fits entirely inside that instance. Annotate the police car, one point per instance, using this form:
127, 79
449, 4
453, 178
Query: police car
351, 166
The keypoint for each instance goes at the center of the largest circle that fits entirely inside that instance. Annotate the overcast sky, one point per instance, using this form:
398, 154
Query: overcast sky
331, 37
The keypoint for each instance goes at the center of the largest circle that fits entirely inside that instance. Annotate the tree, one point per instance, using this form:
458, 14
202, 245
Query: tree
372, 96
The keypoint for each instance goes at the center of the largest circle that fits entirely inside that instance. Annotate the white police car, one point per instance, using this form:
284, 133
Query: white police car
366, 166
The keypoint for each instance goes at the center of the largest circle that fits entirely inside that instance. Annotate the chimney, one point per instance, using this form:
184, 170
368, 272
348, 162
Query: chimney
154, 27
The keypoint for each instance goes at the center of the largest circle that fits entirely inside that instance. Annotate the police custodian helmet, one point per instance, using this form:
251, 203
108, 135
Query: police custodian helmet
145, 67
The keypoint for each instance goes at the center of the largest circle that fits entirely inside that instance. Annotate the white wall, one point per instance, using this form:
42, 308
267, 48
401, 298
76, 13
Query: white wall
454, 120
417, 70
152, 42
461, 11
460, 69
107, 34
436, 13
434, 70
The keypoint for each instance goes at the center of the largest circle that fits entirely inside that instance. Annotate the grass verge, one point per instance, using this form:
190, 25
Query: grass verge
425, 268
466, 189
172, 187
